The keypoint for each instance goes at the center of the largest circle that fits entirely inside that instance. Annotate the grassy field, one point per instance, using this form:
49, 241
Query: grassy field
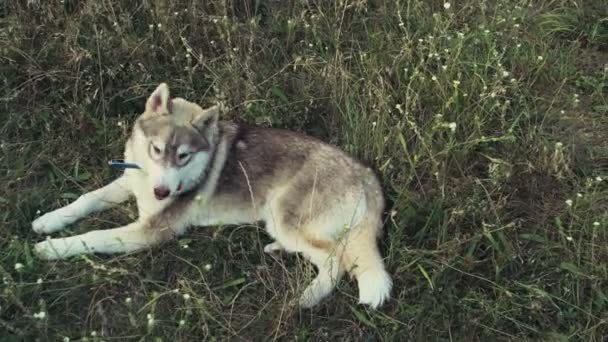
487, 122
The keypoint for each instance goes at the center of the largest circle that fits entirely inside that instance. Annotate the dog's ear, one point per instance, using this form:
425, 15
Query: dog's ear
206, 122
159, 102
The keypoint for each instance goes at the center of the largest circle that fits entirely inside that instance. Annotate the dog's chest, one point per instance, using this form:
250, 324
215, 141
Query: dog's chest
147, 205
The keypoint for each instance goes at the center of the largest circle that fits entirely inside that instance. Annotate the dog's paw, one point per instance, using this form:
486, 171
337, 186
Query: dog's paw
51, 222
273, 247
310, 297
47, 250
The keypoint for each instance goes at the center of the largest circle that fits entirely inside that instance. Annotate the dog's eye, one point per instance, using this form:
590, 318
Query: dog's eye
155, 149
183, 155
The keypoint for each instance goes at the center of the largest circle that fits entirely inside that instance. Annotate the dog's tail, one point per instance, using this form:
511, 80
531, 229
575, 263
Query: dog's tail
362, 258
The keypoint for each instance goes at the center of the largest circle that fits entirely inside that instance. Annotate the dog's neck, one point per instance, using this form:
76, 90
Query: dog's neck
221, 144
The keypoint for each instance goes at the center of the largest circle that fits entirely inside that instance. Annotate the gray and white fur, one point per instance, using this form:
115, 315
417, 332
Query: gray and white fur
198, 171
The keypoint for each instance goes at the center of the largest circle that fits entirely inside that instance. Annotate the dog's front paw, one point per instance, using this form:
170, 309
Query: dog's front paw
48, 250
51, 222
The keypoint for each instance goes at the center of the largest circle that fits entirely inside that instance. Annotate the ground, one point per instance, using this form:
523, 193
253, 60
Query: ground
485, 120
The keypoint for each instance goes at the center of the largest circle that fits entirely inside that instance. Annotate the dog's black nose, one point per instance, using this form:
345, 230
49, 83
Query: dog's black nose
161, 192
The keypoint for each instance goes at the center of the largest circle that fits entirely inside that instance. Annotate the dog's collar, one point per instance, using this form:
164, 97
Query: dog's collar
120, 164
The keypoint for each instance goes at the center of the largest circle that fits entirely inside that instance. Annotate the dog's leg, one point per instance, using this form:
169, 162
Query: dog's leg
130, 238
330, 272
273, 247
101, 199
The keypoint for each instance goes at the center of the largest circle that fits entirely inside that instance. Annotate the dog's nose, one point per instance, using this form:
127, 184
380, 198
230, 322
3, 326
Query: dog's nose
161, 192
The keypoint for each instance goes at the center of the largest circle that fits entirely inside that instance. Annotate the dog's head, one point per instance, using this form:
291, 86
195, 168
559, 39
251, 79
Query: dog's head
177, 138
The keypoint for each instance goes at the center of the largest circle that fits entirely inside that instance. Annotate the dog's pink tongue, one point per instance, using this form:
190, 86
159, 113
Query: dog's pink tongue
179, 187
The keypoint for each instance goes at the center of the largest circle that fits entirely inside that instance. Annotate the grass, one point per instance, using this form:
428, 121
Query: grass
486, 121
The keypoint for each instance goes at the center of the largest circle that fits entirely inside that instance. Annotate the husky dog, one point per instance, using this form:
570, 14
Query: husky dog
198, 171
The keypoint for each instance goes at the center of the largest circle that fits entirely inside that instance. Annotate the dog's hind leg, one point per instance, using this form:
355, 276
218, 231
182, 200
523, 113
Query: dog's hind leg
273, 247
330, 271
101, 199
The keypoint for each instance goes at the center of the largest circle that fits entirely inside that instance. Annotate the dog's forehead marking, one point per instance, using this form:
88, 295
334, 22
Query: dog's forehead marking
183, 136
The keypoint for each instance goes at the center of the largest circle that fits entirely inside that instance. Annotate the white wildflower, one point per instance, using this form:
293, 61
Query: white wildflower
434, 78
596, 224
18, 266
40, 315
505, 74
540, 58
186, 296
569, 202
447, 5
559, 145
128, 300
569, 238
452, 126
208, 267
39, 281
182, 322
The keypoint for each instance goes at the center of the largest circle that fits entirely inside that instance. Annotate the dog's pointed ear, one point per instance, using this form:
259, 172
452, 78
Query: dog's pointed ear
206, 122
159, 102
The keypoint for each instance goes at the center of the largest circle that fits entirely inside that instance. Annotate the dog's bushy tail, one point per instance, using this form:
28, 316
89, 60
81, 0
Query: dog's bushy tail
362, 258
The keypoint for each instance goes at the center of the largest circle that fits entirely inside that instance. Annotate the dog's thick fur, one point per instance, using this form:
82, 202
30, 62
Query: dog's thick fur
198, 171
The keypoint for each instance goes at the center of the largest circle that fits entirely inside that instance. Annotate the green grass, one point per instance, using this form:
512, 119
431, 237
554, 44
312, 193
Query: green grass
484, 120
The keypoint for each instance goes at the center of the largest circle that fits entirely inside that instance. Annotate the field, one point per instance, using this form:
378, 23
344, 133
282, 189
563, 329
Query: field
487, 122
